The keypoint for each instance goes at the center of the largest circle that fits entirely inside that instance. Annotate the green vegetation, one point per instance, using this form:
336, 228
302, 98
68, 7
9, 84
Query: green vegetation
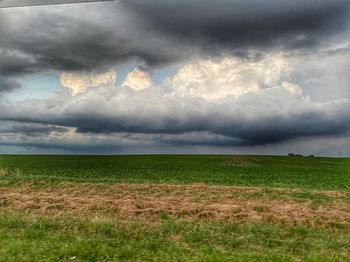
174, 208
28, 239
265, 171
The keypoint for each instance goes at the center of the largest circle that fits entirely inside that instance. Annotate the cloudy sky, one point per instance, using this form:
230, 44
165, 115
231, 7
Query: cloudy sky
177, 76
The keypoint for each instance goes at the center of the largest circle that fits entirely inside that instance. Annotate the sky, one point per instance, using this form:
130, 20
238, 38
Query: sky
177, 76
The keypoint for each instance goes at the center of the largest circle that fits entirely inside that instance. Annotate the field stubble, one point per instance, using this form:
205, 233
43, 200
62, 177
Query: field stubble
196, 202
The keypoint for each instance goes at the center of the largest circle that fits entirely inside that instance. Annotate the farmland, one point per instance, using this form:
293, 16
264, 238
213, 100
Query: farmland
174, 208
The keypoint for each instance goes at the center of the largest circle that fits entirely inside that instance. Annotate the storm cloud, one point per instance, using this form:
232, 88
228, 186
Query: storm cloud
244, 71
157, 33
8, 85
274, 111
41, 41
236, 25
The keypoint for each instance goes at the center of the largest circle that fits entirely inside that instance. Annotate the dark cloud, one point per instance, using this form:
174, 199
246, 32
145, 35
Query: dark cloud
159, 32
29, 129
239, 25
58, 47
243, 121
46, 41
8, 85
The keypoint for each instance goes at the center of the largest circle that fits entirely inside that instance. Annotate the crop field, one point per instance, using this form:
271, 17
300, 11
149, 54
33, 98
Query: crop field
174, 208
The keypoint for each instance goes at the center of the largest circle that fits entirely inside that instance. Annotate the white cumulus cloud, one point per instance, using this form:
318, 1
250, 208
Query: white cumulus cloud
228, 77
80, 82
138, 80
293, 89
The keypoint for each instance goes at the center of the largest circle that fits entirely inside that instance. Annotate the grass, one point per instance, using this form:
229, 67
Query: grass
32, 239
174, 208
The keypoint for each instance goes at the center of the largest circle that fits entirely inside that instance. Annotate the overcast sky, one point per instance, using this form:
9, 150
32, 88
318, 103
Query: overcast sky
177, 76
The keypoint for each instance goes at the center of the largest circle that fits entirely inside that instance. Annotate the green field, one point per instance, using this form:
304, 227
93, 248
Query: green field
269, 171
174, 208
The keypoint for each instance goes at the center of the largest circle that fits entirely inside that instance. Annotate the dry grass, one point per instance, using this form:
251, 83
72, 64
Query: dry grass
193, 202
2, 172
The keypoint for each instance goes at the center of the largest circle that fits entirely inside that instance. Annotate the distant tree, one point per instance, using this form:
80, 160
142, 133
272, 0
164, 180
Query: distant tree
292, 154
